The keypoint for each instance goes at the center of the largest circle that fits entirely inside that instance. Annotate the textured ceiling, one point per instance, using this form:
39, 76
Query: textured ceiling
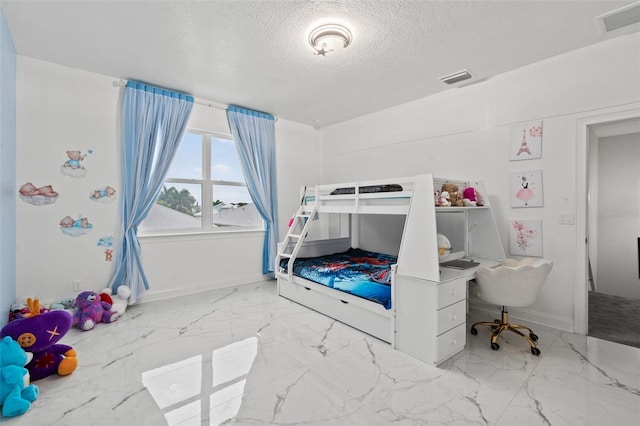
256, 54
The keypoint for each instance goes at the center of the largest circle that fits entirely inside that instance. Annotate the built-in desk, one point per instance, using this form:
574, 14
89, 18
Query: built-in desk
430, 316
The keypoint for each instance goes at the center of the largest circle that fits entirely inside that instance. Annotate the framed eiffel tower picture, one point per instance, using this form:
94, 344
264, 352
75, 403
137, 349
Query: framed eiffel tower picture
525, 141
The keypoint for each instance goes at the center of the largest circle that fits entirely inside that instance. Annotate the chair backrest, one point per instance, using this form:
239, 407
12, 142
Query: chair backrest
514, 282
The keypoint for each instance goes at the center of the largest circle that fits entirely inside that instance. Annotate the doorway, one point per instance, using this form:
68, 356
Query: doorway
613, 231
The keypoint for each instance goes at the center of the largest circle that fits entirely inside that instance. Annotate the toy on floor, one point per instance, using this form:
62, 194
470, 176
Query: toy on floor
91, 310
21, 310
39, 334
119, 301
63, 304
16, 394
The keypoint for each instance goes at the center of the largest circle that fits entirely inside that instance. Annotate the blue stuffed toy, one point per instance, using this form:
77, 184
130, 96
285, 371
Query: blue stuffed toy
16, 394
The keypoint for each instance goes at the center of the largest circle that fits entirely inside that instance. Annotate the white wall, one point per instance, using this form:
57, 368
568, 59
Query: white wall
60, 109
7, 170
463, 133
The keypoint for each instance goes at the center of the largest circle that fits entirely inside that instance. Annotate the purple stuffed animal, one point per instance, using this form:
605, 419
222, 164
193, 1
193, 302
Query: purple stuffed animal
39, 334
91, 310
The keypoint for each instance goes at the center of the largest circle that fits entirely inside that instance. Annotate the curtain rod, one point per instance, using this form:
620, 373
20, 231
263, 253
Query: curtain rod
122, 83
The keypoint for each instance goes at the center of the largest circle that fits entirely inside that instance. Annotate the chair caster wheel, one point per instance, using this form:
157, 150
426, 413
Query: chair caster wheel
496, 346
533, 337
535, 351
474, 331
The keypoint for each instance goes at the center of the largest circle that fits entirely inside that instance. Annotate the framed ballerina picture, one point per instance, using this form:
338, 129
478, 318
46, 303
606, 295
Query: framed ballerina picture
525, 141
525, 238
526, 189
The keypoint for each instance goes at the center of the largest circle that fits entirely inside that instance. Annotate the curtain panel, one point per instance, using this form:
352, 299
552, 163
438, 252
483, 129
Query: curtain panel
254, 135
153, 121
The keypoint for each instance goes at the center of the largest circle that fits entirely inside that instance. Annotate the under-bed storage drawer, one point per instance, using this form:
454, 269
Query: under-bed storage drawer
338, 307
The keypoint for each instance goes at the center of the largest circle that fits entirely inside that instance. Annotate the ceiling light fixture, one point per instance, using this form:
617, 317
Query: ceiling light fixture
326, 38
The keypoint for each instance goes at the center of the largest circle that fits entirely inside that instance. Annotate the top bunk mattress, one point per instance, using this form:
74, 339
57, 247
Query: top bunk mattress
355, 271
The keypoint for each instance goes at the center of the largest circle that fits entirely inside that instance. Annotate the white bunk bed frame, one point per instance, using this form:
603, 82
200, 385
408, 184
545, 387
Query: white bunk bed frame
417, 258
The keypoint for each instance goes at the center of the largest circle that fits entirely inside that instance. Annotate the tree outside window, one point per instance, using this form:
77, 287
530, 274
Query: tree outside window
205, 189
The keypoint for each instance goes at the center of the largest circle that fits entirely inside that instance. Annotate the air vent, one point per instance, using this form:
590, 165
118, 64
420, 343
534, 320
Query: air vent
627, 15
456, 77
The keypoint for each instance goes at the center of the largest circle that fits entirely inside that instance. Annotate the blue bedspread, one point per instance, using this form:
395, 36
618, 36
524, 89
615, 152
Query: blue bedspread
355, 271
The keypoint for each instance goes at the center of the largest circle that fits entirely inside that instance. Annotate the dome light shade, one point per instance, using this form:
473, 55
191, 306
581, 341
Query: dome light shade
326, 38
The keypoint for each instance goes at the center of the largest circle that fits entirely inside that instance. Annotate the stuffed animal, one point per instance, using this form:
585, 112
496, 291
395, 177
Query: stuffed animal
444, 199
91, 310
455, 197
63, 304
118, 300
16, 394
444, 246
39, 334
472, 198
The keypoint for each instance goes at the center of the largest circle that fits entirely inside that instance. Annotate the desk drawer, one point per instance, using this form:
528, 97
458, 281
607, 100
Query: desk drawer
451, 292
451, 342
451, 316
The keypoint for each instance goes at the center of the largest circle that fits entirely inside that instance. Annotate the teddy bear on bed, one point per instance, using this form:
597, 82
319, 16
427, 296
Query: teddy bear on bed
16, 393
39, 334
92, 310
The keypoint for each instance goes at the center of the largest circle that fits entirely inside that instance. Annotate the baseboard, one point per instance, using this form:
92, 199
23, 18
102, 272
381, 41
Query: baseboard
523, 315
153, 296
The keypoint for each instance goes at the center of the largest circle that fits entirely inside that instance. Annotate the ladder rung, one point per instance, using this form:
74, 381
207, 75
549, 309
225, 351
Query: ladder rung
287, 255
294, 235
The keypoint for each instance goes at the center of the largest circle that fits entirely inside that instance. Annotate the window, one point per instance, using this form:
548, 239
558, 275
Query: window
204, 189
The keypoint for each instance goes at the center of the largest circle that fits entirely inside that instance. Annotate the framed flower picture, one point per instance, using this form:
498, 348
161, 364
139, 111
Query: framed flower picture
525, 238
525, 141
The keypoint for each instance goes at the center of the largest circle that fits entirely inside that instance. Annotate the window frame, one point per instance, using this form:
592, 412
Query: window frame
206, 183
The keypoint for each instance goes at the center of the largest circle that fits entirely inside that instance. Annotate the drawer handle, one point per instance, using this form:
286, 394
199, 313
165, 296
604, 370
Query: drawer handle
454, 317
454, 292
344, 301
453, 341
307, 288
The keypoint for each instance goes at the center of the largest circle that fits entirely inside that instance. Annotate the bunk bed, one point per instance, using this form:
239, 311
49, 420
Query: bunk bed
414, 298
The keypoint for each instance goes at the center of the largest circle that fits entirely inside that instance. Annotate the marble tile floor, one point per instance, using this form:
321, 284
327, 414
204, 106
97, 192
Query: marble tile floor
246, 356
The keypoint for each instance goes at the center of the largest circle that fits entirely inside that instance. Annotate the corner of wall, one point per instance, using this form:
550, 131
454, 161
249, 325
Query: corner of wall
7, 170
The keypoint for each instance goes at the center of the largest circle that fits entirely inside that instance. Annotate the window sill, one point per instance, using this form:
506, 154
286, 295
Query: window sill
199, 235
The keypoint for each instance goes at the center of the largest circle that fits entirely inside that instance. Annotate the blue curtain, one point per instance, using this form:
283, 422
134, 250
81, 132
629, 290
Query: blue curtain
255, 138
153, 121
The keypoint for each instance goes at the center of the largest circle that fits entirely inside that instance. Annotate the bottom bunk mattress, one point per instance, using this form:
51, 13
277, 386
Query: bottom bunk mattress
359, 272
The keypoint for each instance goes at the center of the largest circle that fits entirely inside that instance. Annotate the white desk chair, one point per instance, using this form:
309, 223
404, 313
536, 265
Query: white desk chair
512, 283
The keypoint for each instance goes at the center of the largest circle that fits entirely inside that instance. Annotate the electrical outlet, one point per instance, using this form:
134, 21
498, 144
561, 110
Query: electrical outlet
76, 285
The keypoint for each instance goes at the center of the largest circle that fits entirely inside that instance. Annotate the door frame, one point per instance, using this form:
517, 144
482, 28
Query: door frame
581, 289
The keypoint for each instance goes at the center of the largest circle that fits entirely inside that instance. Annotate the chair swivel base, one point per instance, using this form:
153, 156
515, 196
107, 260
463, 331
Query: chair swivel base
498, 326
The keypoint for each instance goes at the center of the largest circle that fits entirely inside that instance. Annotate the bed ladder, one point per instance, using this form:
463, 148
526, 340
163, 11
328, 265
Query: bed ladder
300, 223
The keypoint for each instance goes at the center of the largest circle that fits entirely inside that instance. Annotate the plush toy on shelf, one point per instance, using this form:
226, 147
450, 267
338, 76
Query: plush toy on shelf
444, 199
472, 198
90, 310
40, 334
16, 393
455, 197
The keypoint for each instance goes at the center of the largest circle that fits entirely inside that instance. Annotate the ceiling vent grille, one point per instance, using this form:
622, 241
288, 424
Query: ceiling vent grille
456, 77
627, 15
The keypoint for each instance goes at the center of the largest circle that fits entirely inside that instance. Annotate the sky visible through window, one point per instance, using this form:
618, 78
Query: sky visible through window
225, 166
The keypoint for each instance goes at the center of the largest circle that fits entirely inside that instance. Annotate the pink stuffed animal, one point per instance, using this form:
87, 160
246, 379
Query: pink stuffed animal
91, 310
472, 198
